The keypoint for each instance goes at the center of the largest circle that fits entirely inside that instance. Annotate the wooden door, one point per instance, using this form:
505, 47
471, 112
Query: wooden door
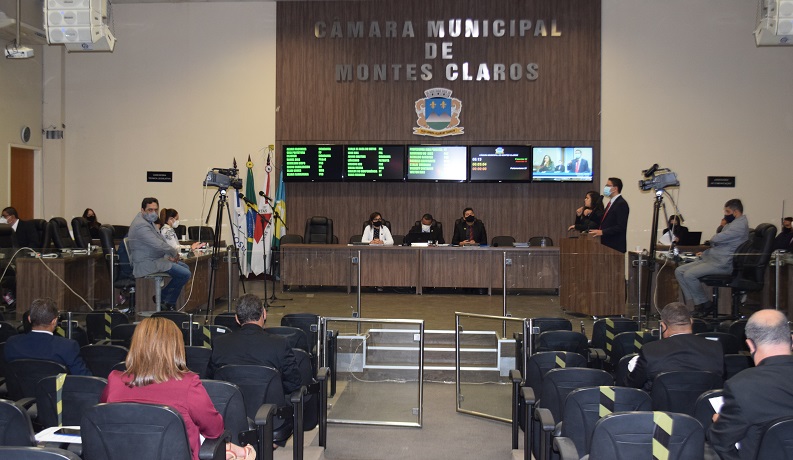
22, 182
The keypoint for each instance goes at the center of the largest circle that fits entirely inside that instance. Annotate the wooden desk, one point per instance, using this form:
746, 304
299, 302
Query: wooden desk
86, 274
445, 266
200, 267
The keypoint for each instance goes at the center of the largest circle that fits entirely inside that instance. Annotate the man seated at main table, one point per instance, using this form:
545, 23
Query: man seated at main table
469, 230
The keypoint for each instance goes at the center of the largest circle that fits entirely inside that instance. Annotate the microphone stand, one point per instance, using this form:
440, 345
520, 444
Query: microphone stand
277, 217
266, 223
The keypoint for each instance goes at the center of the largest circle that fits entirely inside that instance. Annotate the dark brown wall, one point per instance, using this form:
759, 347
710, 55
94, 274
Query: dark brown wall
560, 107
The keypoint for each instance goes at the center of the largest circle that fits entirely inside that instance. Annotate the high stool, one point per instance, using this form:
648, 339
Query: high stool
158, 283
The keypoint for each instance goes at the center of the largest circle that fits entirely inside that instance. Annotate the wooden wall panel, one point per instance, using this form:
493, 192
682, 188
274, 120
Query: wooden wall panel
561, 107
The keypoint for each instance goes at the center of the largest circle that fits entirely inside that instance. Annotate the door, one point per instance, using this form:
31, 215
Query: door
22, 182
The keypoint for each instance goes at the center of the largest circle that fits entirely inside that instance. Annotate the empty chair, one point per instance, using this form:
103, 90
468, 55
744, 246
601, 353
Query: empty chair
319, 230
540, 241
82, 233
399, 240
738, 329
308, 322
776, 441
562, 341
59, 233
22, 375
15, 426
502, 240
297, 337
734, 364
122, 334
122, 276
203, 335
78, 393
202, 234
179, 318
7, 238
197, 359
632, 435
99, 324
291, 238
120, 231
37, 453
604, 331
355, 239
100, 359
147, 431
181, 231
227, 399
677, 391
227, 319
700, 325
729, 342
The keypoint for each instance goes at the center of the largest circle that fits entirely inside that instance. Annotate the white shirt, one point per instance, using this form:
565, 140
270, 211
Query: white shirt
385, 235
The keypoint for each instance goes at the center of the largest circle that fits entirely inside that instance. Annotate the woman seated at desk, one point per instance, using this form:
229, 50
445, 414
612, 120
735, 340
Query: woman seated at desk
169, 218
588, 216
675, 228
376, 232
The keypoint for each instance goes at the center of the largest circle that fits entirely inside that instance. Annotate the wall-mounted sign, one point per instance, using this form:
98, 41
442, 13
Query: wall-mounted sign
159, 176
438, 114
721, 181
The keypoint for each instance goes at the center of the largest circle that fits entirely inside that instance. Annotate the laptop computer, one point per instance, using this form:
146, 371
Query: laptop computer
418, 237
690, 239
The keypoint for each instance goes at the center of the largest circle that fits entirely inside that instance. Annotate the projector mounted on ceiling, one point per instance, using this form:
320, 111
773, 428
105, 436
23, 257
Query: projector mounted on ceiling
80, 25
775, 23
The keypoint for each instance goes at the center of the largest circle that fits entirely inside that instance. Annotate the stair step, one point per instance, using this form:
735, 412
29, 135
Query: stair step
386, 355
431, 337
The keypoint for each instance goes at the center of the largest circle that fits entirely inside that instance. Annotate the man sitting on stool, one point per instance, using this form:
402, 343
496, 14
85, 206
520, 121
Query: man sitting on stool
714, 261
150, 253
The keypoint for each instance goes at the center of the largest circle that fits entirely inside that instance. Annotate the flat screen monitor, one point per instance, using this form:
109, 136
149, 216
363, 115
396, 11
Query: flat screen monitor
500, 163
562, 164
375, 162
313, 163
437, 163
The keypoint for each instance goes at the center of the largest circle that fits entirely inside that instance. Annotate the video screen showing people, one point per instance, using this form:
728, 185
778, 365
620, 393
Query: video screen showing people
562, 164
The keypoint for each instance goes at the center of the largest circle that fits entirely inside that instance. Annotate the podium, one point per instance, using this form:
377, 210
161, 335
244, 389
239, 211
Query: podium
593, 277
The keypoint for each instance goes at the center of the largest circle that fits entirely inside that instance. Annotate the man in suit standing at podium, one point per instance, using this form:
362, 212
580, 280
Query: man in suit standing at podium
614, 224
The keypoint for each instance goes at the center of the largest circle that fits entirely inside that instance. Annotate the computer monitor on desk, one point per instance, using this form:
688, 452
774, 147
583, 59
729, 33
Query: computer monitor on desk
690, 239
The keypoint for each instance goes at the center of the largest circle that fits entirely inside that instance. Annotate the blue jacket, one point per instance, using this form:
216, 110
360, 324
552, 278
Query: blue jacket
40, 345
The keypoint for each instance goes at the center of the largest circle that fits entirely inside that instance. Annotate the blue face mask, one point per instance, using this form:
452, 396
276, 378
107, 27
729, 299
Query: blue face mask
607, 191
150, 217
729, 218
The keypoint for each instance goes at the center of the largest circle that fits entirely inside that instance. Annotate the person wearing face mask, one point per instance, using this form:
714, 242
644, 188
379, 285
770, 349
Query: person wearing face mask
93, 224
579, 164
150, 253
169, 218
614, 224
376, 232
675, 228
680, 350
24, 231
428, 229
714, 261
784, 240
588, 216
469, 230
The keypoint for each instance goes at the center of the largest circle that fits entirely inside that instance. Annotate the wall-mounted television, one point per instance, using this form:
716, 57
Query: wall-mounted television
500, 163
437, 163
374, 162
562, 164
313, 163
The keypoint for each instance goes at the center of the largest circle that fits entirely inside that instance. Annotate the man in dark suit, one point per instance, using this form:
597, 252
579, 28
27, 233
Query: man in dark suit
428, 229
756, 396
614, 224
24, 231
469, 230
252, 344
785, 238
41, 343
680, 350
579, 164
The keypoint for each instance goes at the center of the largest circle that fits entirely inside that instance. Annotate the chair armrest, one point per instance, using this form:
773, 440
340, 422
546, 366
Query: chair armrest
527, 393
264, 416
515, 376
566, 448
296, 396
213, 449
546, 419
323, 373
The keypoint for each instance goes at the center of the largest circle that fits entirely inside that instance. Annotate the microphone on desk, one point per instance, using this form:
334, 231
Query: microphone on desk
261, 194
249, 202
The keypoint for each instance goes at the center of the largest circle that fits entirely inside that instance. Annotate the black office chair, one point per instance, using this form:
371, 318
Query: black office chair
319, 230
585, 406
202, 234
59, 233
40, 225
127, 431
632, 435
626, 343
120, 281
178, 317
729, 343
700, 325
399, 240
22, 375
291, 238
203, 335
738, 329
678, 391
100, 359
227, 399
7, 237
776, 440
387, 223
76, 396
82, 233
621, 372
748, 267
122, 334
180, 231
703, 409
604, 331
15, 426
355, 239
99, 324
502, 240
120, 231
37, 453
297, 337
734, 364
308, 322
538, 241
572, 341
227, 319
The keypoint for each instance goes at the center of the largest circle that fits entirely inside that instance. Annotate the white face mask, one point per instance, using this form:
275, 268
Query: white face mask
175, 224
3, 220
425, 228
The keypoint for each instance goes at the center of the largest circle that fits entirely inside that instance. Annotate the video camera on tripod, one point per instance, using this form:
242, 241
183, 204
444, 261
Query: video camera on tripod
223, 178
660, 178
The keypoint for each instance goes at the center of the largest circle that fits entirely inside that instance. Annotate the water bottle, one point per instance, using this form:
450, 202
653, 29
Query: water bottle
542, 243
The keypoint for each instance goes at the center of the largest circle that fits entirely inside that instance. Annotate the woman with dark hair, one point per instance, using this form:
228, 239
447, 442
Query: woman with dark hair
674, 227
376, 232
546, 165
93, 224
169, 219
157, 374
588, 216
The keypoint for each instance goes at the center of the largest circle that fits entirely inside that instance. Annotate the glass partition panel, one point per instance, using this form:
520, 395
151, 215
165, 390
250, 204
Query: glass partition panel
380, 371
484, 359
